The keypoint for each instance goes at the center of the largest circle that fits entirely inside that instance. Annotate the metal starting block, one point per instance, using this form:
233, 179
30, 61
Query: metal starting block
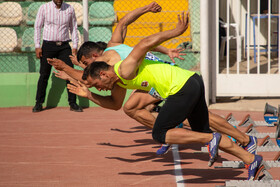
264, 123
277, 157
271, 119
251, 129
240, 164
268, 148
266, 145
277, 133
267, 141
257, 123
259, 149
262, 178
230, 118
243, 183
263, 135
247, 121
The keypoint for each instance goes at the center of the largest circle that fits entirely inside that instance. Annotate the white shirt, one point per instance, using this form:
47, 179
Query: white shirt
57, 23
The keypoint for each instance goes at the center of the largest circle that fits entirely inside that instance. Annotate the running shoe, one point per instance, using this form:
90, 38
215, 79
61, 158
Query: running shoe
180, 125
163, 149
254, 167
251, 147
213, 147
166, 147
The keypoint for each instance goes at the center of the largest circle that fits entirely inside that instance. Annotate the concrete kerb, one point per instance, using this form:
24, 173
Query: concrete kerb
244, 103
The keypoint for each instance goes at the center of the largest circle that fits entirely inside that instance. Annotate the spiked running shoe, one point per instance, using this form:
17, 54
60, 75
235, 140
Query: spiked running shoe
251, 147
166, 147
180, 125
163, 149
213, 147
254, 167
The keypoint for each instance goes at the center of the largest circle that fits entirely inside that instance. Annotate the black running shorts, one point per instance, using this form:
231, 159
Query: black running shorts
188, 103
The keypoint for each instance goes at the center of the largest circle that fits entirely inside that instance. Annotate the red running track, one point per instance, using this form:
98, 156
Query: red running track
99, 147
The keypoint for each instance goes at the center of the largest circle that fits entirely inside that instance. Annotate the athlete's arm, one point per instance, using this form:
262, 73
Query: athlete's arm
75, 61
128, 68
120, 32
61, 66
172, 53
114, 101
62, 75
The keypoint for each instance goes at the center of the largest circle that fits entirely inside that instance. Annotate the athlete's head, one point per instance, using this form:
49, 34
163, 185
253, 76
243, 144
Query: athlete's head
99, 75
88, 52
102, 45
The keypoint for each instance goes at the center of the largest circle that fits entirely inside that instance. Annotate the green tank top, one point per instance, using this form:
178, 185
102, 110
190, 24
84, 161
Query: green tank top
159, 79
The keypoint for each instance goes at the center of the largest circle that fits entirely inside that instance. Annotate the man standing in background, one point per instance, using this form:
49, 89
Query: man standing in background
57, 18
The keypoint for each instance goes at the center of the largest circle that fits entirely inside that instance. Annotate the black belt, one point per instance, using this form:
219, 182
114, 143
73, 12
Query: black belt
56, 43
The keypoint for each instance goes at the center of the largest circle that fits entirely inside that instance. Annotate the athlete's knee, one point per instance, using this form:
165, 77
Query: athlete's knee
129, 109
159, 135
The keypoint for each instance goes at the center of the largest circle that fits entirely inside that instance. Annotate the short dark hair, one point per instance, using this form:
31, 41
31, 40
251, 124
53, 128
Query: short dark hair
102, 45
94, 69
87, 49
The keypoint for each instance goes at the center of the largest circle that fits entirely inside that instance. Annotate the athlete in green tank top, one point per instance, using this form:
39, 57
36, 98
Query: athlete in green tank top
187, 103
151, 75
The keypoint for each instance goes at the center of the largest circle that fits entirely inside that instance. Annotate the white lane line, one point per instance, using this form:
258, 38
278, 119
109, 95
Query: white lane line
177, 166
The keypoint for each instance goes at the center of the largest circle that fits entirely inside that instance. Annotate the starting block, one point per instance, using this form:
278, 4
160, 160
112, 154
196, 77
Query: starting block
268, 148
272, 112
263, 135
262, 178
271, 148
262, 173
277, 133
247, 121
230, 118
277, 157
270, 119
267, 142
242, 183
251, 129
240, 164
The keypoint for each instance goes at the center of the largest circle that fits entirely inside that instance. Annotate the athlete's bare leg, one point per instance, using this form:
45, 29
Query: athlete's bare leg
135, 107
221, 125
183, 136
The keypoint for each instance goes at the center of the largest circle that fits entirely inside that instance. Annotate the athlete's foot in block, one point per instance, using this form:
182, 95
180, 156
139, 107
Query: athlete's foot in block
255, 168
213, 147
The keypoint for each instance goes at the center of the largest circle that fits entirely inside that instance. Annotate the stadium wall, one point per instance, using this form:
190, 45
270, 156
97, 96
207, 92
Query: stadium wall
19, 89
